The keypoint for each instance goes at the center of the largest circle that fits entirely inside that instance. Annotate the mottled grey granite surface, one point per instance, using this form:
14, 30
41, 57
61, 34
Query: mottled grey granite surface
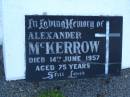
89, 87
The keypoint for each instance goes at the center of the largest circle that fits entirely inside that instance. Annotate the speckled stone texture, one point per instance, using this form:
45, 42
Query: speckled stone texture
90, 87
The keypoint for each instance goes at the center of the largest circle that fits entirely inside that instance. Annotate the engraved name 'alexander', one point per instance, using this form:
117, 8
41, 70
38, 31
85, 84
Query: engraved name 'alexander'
54, 35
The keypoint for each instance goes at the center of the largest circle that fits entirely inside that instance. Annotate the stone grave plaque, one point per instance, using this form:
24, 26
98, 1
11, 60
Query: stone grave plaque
72, 47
